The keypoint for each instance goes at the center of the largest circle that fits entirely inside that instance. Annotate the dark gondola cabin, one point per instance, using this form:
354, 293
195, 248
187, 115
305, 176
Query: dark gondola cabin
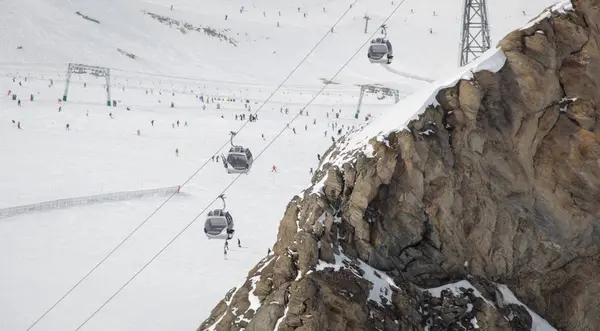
219, 225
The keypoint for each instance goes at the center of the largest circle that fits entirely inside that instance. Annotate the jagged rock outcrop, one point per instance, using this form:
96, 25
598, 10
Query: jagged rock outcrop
498, 183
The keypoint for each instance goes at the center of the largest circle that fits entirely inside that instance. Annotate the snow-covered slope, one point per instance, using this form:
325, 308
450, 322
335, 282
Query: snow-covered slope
51, 33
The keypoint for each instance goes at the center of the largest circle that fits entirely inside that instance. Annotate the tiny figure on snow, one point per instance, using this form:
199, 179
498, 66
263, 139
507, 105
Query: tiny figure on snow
311, 171
239, 243
273, 168
152, 122
138, 132
67, 127
176, 151
111, 115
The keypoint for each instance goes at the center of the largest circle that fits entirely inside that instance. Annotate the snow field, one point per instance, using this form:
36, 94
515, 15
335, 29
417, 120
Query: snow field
99, 154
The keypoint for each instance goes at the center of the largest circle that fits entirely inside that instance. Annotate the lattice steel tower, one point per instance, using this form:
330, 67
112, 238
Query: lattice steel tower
475, 31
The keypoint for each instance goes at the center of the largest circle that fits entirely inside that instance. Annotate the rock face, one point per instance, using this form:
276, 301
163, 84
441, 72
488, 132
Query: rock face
503, 188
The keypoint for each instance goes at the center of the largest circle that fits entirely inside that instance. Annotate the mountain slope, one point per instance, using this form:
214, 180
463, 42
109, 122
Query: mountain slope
52, 33
494, 181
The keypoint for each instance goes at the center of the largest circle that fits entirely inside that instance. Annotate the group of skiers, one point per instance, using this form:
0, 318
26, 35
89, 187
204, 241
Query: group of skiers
226, 247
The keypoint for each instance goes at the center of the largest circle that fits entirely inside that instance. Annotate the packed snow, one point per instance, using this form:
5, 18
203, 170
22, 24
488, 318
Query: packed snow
538, 323
381, 290
559, 7
153, 63
455, 289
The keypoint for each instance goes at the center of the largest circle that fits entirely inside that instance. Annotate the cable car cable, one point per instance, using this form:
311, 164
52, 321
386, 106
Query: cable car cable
226, 187
190, 178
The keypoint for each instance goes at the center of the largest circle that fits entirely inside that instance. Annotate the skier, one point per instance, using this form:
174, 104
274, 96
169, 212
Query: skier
177, 123
217, 159
138, 132
152, 122
59, 109
263, 136
294, 129
87, 113
239, 243
67, 127
185, 124
273, 168
225, 254
319, 157
268, 251
176, 151
19, 103
18, 125
226, 245
111, 115
311, 171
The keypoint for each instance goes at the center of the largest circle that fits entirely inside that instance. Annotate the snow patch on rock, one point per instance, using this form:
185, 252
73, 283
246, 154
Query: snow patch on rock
381, 284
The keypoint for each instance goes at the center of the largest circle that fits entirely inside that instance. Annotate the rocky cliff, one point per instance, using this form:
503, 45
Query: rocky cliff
491, 190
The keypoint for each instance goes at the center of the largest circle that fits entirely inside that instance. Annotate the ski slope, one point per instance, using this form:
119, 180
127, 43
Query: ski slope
43, 254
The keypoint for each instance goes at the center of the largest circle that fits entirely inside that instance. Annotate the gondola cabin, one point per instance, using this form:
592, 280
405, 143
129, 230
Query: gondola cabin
219, 225
239, 159
380, 51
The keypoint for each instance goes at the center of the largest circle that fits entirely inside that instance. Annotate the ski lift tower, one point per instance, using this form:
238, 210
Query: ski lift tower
80, 69
387, 92
475, 31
